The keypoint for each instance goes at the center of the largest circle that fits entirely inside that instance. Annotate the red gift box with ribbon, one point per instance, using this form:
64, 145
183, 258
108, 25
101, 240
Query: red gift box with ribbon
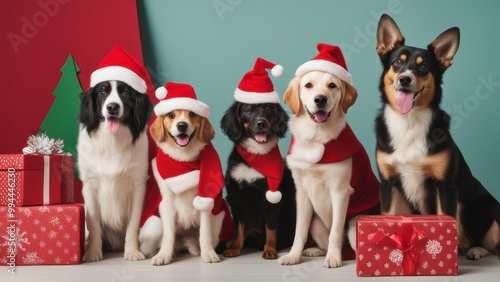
41, 235
406, 245
35, 180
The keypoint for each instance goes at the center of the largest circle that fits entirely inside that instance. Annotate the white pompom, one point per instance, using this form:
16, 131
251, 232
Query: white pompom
277, 71
273, 197
161, 93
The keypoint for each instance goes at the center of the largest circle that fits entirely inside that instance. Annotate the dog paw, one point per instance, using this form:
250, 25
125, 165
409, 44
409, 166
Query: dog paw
161, 260
134, 255
91, 256
313, 252
289, 260
269, 254
476, 253
210, 257
332, 262
231, 253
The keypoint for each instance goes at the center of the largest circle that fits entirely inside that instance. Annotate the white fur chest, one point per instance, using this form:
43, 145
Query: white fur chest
105, 154
408, 134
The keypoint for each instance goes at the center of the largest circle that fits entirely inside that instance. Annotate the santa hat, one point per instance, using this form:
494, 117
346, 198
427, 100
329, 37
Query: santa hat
256, 87
120, 65
330, 60
179, 96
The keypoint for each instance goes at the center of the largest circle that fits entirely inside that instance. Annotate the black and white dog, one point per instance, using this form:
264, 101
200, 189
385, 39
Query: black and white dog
113, 163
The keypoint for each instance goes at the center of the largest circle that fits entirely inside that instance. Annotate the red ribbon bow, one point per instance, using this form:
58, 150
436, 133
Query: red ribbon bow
410, 241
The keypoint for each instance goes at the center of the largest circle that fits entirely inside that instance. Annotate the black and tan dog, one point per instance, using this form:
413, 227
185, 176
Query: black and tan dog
260, 188
422, 171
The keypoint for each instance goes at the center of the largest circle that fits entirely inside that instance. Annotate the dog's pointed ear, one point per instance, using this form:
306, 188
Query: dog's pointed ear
291, 96
388, 35
230, 123
207, 131
348, 97
445, 47
157, 131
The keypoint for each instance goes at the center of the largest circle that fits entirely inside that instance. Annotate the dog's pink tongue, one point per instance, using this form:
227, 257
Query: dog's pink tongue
261, 138
112, 124
320, 116
183, 140
405, 101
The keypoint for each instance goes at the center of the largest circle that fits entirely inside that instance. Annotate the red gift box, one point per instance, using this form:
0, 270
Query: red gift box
34, 180
41, 235
406, 245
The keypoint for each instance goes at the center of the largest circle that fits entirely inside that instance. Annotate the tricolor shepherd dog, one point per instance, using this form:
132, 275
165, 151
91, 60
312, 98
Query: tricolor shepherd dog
422, 171
331, 170
260, 189
113, 154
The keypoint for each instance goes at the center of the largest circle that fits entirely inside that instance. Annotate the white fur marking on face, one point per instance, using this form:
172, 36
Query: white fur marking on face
256, 148
242, 172
112, 98
182, 117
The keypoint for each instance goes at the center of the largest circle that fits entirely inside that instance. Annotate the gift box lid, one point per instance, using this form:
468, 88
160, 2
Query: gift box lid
26, 162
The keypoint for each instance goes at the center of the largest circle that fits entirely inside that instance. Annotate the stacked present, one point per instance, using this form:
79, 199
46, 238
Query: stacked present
39, 222
406, 245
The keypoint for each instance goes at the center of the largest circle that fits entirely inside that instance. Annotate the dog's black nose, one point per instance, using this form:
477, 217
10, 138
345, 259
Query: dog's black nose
261, 123
405, 80
320, 100
113, 108
182, 126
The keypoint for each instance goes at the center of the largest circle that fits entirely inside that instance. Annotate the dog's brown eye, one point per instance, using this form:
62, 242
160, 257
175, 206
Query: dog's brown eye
398, 62
308, 85
102, 91
424, 67
191, 114
247, 111
125, 92
170, 115
332, 85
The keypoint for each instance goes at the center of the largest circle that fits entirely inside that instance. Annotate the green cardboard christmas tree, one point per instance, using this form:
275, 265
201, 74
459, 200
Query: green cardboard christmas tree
62, 119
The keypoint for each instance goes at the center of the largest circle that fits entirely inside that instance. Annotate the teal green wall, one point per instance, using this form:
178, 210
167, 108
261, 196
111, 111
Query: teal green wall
211, 44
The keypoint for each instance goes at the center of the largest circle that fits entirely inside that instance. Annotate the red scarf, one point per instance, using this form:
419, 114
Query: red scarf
337, 150
365, 184
271, 165
211, 176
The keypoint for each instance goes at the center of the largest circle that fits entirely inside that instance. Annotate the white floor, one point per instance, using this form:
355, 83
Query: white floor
248, 267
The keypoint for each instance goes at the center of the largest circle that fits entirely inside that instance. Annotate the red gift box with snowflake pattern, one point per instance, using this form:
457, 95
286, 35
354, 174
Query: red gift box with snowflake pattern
41, 235
406, 245
35, 180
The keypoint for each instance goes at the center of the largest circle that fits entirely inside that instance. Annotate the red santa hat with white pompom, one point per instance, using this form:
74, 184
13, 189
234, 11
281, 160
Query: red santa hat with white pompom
177, 96
120, 65
256, 87
329, 59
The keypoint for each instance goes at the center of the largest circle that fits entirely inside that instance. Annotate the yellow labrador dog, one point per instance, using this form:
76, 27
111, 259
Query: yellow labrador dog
331, 169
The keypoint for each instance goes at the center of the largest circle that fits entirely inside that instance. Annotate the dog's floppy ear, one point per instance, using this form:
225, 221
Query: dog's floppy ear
143, 110
230, 123
291, 96
280, 125
157, 130
88, 112
348, 98
388, 35
445, 47
207, 131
